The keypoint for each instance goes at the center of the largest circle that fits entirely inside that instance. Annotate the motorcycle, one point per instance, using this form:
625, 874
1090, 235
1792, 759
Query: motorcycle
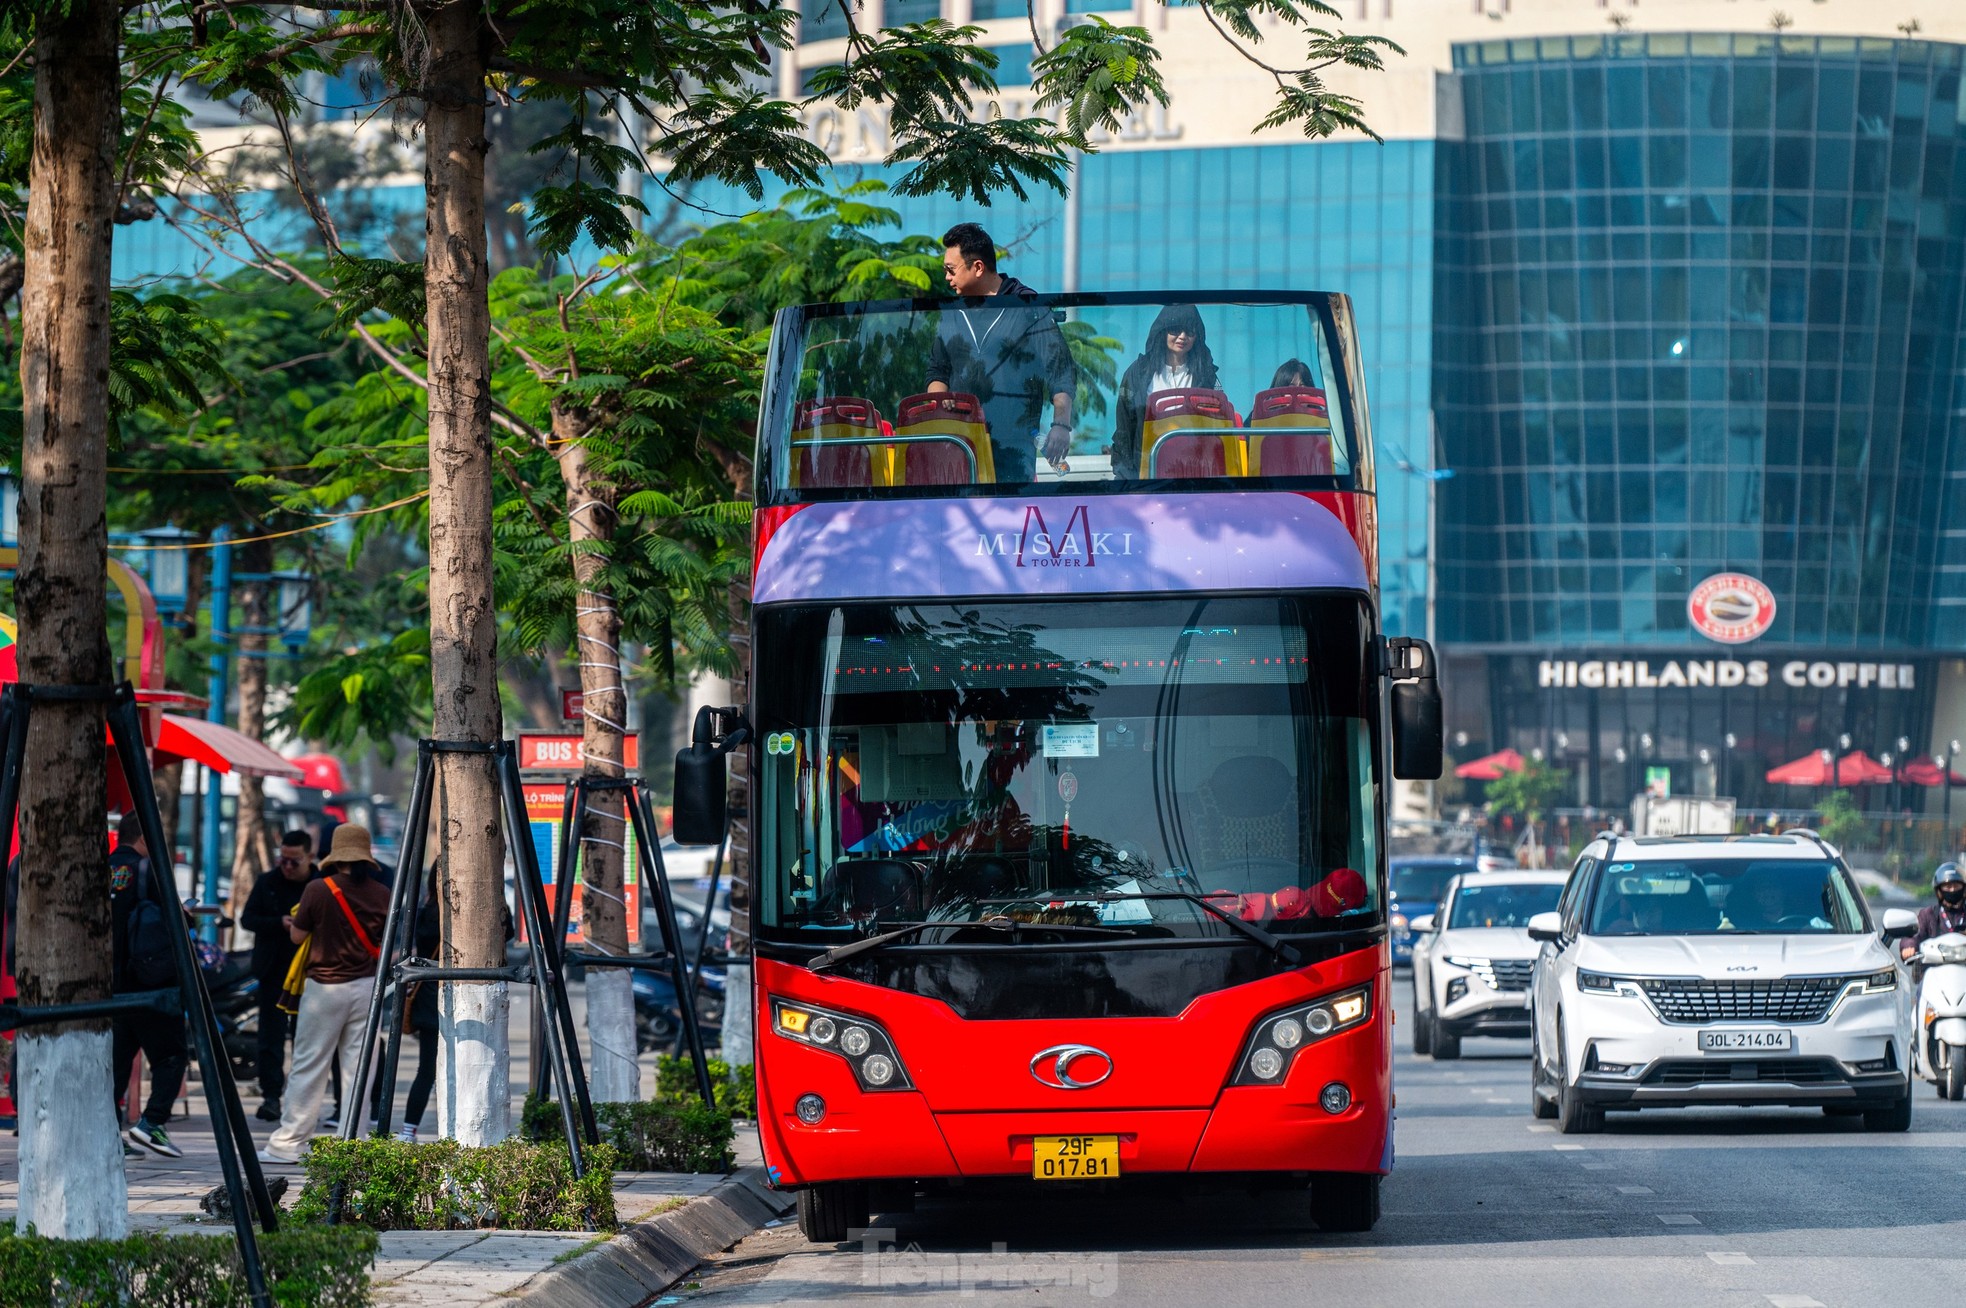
658, 1017
1942, 1014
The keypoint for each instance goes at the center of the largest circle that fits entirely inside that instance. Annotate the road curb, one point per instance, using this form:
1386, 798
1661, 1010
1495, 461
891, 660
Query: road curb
647, 1258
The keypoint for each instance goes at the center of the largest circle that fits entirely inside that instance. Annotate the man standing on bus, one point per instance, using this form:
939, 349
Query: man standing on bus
1006, 352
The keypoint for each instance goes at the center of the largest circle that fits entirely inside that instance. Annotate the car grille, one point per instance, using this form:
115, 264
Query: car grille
1793, 999
1512, 973
1778, 1071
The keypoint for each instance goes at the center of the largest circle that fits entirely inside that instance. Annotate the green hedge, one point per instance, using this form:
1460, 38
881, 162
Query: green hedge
736, 1091
305, 1267
660, 1135
663, 1135
391, 1185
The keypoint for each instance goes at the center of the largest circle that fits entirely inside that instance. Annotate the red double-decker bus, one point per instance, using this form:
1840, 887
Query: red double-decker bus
1070, 734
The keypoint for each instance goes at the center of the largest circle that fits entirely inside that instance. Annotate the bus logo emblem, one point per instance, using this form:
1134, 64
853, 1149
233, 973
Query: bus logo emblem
1072, 1067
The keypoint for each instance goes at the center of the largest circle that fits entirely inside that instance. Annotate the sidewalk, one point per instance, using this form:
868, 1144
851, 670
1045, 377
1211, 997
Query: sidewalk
430, 1269
669, 1220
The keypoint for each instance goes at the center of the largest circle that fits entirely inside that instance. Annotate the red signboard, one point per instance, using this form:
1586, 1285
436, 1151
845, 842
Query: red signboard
563, 753
571, 702
545, 806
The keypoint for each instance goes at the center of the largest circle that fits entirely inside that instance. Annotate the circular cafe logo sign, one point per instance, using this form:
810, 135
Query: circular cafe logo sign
1732, 608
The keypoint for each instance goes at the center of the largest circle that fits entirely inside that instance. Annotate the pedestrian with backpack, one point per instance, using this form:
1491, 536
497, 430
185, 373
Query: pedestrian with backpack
140, 922
340, 919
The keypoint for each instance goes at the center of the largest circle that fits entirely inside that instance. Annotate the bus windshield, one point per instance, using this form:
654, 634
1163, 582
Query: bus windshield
1072, 393
1060, 765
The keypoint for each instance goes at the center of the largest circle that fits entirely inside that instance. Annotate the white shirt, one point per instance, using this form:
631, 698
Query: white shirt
1173, 378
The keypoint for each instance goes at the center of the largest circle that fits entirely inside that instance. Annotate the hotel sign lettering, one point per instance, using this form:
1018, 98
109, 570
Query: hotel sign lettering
863, 135
1645, 674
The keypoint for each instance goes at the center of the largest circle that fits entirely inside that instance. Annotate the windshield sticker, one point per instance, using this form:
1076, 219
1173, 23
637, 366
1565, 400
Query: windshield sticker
1071, 740
1623, 867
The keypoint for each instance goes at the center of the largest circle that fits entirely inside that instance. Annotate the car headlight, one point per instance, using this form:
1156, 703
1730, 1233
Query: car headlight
1278, 1036
1876, 983
1597, 983
1398, 923
1483, 968
863, 1044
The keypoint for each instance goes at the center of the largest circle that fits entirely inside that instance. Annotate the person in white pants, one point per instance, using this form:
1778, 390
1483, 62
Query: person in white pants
342, 917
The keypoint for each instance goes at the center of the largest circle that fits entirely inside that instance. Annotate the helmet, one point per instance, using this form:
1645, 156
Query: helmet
1947, 874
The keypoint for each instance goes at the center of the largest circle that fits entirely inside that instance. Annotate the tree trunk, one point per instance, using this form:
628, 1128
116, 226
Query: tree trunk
252, 845
474, 1066
591, 520
71, 1167
739, 1006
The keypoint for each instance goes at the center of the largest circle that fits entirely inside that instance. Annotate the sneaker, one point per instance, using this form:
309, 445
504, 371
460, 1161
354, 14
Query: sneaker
268, 1111
332, 1122
153, 1139
268, 1156
407, 1134
131, 1151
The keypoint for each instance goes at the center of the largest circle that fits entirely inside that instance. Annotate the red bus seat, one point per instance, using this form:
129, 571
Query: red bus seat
950, 414
849, 449
1294, 451
1179, 436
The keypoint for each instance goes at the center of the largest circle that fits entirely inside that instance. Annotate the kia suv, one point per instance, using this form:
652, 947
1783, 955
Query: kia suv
1473, 959
1729, 970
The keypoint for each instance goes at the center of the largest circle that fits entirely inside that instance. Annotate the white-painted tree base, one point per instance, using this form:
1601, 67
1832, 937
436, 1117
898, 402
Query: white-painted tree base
737, 1015
615, 1076
474, 1062
71, 1153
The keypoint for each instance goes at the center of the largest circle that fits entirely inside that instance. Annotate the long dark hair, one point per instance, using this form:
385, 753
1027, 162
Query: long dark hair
1176, 318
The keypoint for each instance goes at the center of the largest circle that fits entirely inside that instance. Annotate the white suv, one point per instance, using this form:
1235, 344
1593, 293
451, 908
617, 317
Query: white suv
1472, 960
1741, 970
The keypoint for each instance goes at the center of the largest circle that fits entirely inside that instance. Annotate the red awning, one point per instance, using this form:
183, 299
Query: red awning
1925, 772
1491, 767
218, 747
321, 771
1854, 769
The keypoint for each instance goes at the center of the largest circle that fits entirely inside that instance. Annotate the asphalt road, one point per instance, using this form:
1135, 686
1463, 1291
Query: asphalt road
1704, 1208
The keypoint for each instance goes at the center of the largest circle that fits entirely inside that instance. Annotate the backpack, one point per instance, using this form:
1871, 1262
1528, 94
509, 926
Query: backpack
151, 964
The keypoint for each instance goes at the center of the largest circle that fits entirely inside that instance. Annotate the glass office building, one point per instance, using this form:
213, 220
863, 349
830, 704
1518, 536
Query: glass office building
1698, 303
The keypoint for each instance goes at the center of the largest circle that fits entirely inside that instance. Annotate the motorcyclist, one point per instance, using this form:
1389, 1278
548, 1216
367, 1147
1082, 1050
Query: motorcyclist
1948, 914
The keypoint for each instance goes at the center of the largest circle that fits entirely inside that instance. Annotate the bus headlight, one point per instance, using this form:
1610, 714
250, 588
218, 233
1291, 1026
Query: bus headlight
1279, 1036
862, 1044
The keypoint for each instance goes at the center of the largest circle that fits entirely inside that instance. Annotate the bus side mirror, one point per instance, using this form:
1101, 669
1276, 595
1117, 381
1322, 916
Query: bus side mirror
701, 797
1418, 737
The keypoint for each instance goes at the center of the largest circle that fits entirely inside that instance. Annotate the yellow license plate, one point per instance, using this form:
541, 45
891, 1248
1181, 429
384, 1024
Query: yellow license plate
1074, 1157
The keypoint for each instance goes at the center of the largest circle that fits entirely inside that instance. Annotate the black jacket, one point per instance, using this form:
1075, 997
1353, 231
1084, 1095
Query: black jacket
1130, 410
273, 898
130, 878
1935, 920
1008, 353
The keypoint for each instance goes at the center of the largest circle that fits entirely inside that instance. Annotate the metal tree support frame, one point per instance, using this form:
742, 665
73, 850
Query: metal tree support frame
244, 1182
655, 873
398, 967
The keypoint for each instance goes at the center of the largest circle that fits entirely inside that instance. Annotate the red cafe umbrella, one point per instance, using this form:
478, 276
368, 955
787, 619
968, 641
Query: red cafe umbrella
1854, 769
1924, 772
1491, 767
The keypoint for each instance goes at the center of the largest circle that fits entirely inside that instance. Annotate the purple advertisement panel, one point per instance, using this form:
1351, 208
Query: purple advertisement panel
1102, 545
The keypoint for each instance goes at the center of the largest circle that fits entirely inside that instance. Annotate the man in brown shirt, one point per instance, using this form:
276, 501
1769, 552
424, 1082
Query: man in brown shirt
340, 917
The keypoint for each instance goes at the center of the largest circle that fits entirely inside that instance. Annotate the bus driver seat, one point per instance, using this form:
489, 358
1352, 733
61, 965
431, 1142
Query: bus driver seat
1246, 811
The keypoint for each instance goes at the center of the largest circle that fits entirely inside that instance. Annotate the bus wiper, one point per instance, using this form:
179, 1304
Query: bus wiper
1277, 946
1011, 926
855, 948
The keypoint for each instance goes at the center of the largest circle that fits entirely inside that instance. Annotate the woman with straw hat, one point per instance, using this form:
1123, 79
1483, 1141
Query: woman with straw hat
339, 923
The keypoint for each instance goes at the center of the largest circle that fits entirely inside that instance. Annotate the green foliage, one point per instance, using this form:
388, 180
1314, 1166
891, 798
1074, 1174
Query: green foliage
163, 349
736, 1088
1529, 792
378, 691
392, 1185
664, 1135
1841, 822
1098, 74
305, 1267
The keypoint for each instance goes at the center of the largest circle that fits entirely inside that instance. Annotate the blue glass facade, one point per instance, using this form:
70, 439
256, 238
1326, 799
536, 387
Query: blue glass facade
1699, 301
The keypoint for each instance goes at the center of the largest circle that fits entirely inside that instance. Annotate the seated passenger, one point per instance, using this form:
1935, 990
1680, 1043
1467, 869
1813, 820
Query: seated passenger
1292, 372
1176, 358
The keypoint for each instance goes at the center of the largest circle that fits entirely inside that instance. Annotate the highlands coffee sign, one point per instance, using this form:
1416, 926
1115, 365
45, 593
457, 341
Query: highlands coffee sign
1732, 608
1647, 674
